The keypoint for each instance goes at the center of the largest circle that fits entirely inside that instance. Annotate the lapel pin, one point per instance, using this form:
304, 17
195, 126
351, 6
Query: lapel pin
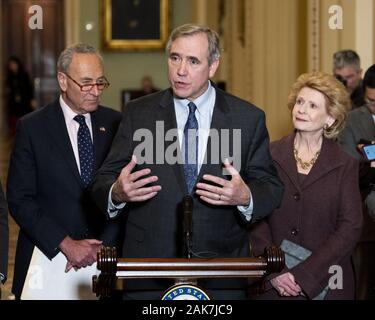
102, 129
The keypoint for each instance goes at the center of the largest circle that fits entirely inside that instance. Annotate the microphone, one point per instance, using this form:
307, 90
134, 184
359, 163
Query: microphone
187, 210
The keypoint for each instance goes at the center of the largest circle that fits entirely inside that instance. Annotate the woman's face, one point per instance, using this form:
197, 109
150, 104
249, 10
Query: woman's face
310, 111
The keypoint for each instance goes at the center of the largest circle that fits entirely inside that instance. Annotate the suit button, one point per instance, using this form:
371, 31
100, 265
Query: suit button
294, 232
297, 197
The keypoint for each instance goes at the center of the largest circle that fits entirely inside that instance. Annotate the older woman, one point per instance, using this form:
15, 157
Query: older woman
321, 209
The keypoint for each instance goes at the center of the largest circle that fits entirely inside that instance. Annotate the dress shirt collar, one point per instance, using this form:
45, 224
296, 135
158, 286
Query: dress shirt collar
69, 114
201, 102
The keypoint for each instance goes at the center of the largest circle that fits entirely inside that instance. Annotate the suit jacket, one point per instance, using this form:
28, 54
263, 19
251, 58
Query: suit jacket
4, 234
154, 227
360, 125
322, 213
357, 97
45, 192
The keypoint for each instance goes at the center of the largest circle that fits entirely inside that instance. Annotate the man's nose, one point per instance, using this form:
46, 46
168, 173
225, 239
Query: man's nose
95, 91
182, 70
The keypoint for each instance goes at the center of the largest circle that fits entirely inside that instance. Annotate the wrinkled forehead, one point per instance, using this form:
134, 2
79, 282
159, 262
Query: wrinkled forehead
312, 95
195, 45
86, 65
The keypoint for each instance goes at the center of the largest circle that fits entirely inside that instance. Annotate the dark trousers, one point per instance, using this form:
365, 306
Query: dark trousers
364, 267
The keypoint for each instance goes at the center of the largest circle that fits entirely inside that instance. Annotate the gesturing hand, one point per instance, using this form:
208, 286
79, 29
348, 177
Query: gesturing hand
234, 192
130, 187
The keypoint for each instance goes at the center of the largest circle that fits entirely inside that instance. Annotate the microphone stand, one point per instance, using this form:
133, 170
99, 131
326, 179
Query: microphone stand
187, 209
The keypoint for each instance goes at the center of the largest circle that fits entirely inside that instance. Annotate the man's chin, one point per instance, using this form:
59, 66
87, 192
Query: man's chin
180, 94
90, 107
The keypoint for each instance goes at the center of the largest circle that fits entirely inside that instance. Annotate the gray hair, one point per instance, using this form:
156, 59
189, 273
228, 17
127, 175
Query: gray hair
187, 30
66, 57
346, 58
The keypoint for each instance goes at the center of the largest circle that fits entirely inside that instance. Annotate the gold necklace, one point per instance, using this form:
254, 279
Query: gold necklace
308, 164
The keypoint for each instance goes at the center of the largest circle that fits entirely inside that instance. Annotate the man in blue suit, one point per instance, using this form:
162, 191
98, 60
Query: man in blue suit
56, 152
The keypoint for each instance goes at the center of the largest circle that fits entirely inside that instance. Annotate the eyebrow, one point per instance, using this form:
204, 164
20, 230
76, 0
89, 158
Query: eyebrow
91, 79
193, 57
306, 100
188, 57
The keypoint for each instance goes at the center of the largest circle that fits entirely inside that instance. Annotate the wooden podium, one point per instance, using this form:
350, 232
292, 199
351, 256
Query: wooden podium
183, 271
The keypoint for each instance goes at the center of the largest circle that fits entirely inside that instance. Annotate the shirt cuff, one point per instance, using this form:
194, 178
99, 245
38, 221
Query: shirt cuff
112, 209
247, 211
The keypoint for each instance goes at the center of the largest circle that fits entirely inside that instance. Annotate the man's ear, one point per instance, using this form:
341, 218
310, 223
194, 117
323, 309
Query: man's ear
62, 79
213, 67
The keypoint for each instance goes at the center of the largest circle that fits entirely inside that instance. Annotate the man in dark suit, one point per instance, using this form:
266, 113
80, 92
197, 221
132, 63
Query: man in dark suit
4, 238
361, 126
152, 189
56, 151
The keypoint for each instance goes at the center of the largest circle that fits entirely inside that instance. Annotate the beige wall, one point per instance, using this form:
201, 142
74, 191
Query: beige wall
72, 21
261, 44
283, 39
357, 32
272, 57
125, 70
365, 31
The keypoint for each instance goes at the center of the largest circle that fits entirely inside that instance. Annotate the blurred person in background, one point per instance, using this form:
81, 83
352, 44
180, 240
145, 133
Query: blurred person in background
360, 129
347, 69
19, 92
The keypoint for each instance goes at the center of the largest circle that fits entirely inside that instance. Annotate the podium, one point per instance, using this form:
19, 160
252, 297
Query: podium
182, 271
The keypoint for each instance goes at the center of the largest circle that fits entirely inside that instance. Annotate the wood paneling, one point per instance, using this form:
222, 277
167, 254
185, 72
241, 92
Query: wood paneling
38, 48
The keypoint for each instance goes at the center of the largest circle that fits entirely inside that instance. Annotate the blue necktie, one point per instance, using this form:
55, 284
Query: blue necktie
85, 150
191, 148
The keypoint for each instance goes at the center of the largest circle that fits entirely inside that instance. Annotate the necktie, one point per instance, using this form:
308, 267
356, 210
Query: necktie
191, 148
85, 150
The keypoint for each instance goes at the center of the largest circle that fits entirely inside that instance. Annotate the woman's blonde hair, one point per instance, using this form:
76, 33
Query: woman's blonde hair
338, 101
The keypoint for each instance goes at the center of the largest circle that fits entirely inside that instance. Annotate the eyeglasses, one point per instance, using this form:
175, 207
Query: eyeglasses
369, 102
103, 84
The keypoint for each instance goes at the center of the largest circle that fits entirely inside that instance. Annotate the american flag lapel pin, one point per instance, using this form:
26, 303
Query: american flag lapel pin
102, 129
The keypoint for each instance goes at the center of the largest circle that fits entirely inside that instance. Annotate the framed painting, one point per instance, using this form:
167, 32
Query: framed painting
134, 25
